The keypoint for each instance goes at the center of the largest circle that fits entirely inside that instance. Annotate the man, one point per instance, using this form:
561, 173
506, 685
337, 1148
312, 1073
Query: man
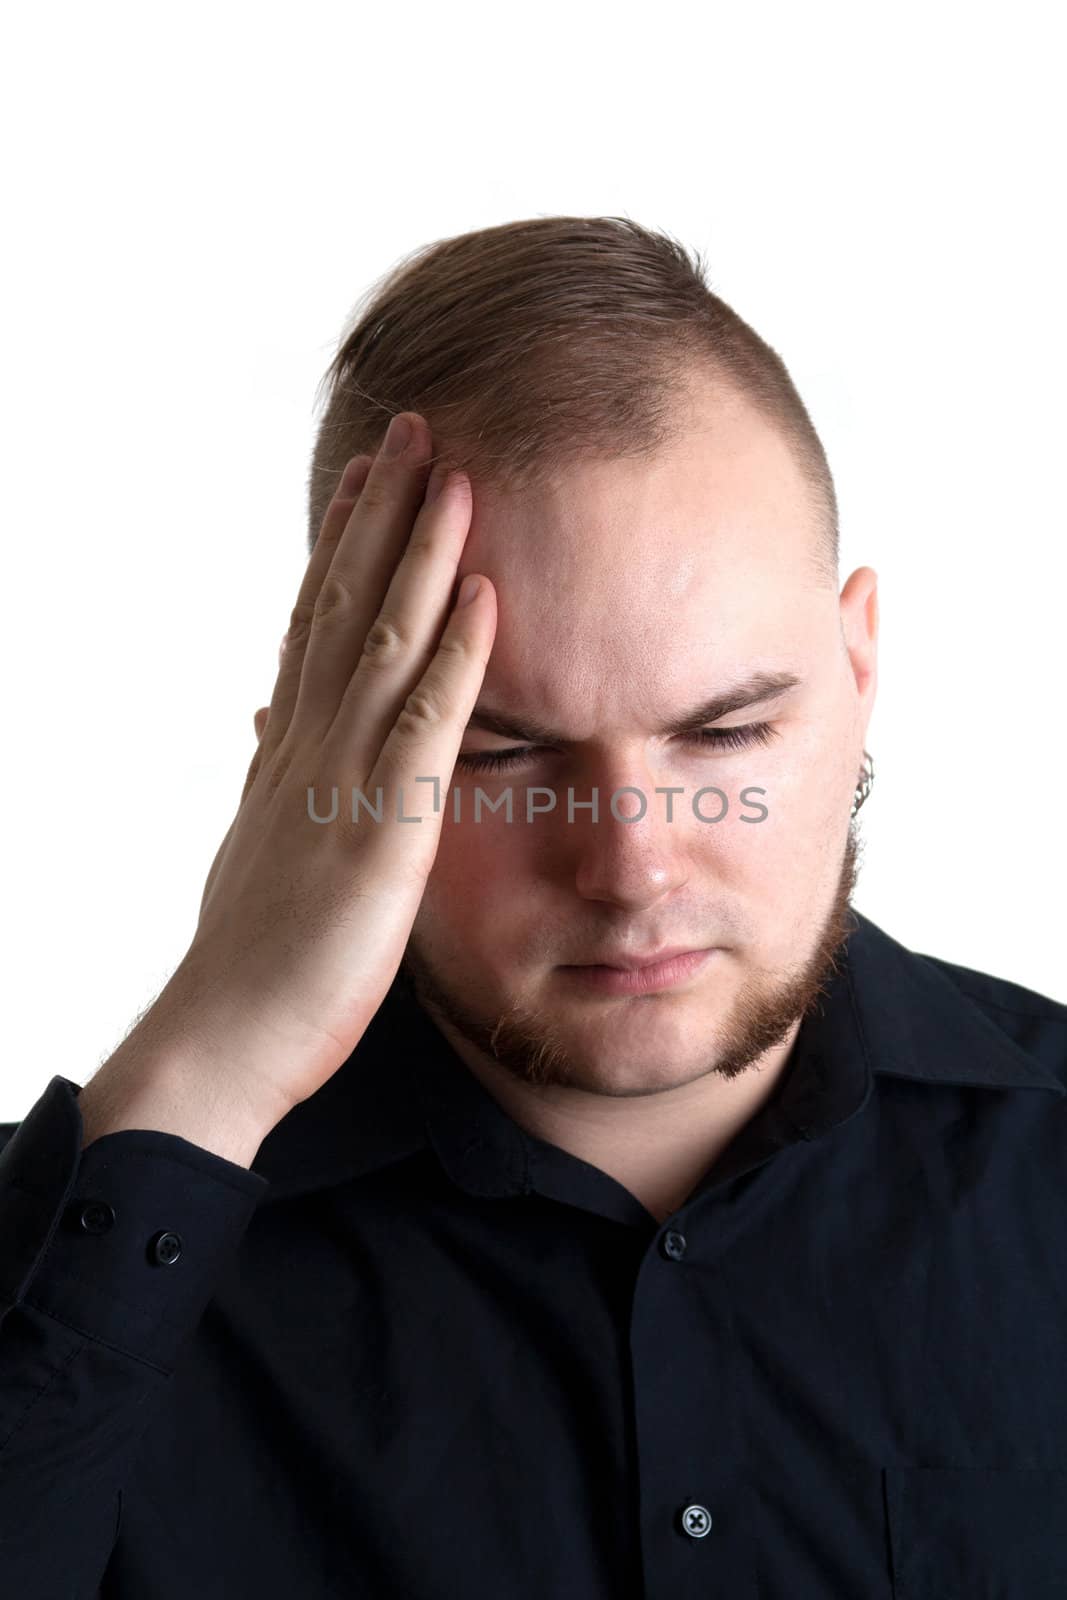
582, 1201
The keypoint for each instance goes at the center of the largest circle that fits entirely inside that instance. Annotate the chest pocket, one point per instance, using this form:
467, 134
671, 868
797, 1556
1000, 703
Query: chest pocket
978, 1533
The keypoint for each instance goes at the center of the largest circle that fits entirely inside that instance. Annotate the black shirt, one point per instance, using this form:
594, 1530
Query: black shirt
416, 1352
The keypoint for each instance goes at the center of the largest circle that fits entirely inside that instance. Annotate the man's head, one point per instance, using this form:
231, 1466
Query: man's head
627, 596
657, 515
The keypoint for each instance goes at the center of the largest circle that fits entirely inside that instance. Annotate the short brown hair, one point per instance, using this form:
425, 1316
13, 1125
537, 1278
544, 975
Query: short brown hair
534, 343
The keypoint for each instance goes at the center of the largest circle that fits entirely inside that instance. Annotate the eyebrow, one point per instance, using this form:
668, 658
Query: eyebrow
748, 691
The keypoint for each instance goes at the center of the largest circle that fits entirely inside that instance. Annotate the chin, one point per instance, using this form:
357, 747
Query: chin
637, 1028
636, 1073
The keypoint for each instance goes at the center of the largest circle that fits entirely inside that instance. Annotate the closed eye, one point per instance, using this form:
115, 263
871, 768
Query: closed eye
741, 738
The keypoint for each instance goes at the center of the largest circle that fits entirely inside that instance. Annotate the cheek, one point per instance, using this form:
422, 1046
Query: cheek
806, 800
478, 868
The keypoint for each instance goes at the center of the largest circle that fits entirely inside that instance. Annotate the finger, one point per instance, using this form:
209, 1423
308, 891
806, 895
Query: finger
259, 720
283, 699
428, 731
400, 643
354, 587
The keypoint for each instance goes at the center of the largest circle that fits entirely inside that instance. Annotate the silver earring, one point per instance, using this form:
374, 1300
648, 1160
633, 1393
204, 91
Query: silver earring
866, 781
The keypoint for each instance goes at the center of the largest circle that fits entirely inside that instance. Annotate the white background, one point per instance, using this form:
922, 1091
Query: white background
194, 199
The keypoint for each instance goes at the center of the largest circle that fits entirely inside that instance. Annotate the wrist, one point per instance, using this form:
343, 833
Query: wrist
161, 1095
186, 1072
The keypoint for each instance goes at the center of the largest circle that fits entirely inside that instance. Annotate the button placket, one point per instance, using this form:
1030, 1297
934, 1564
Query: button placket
95, 1216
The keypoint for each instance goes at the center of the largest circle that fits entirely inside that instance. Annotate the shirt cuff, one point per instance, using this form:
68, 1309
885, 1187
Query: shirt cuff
124, 1241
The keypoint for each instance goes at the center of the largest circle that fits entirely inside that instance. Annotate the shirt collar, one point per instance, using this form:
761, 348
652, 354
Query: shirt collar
922, 1017
885, 1011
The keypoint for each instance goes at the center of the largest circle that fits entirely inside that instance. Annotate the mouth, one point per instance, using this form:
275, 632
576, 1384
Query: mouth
625, 962
640, 975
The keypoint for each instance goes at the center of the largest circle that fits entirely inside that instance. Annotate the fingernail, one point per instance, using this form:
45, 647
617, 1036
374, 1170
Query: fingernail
468, 589
397, 437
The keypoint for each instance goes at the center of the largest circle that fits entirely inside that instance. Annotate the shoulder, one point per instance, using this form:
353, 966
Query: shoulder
995, 994
1035, 1022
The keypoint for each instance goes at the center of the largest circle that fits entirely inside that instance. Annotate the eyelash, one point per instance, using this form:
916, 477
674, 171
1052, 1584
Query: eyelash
751, 733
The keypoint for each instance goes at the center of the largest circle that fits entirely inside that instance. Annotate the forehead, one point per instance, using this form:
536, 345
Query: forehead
636, 578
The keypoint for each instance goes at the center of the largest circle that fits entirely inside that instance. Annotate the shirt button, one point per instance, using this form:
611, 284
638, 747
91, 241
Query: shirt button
696, 1521
165, 1248
673, 1245
96, 1216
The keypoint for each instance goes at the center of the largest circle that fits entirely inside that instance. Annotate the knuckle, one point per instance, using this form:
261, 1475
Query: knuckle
334, 596
384, 643
422, 545
377, 494
422, 712
457, 647
300, 620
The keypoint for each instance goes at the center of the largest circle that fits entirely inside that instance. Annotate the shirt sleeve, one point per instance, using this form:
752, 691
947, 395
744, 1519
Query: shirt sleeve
108, 1258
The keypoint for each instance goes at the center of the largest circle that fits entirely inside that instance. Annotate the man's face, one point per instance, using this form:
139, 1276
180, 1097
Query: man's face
628, 594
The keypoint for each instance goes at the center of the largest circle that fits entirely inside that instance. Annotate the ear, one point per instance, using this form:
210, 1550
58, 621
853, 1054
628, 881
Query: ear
859, 631
260, 720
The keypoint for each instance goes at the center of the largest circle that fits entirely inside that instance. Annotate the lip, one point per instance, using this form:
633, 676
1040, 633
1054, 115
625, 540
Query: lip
660, 973
629, 963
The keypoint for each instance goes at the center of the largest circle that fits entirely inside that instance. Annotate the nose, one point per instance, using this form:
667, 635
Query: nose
631, 855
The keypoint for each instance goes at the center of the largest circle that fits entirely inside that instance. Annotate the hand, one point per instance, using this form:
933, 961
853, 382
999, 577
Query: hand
303, 924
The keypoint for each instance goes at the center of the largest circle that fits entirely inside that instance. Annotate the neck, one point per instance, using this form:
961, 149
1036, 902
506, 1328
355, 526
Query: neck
658, 1146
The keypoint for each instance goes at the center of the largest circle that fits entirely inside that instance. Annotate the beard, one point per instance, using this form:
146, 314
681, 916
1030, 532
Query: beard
527, 1042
